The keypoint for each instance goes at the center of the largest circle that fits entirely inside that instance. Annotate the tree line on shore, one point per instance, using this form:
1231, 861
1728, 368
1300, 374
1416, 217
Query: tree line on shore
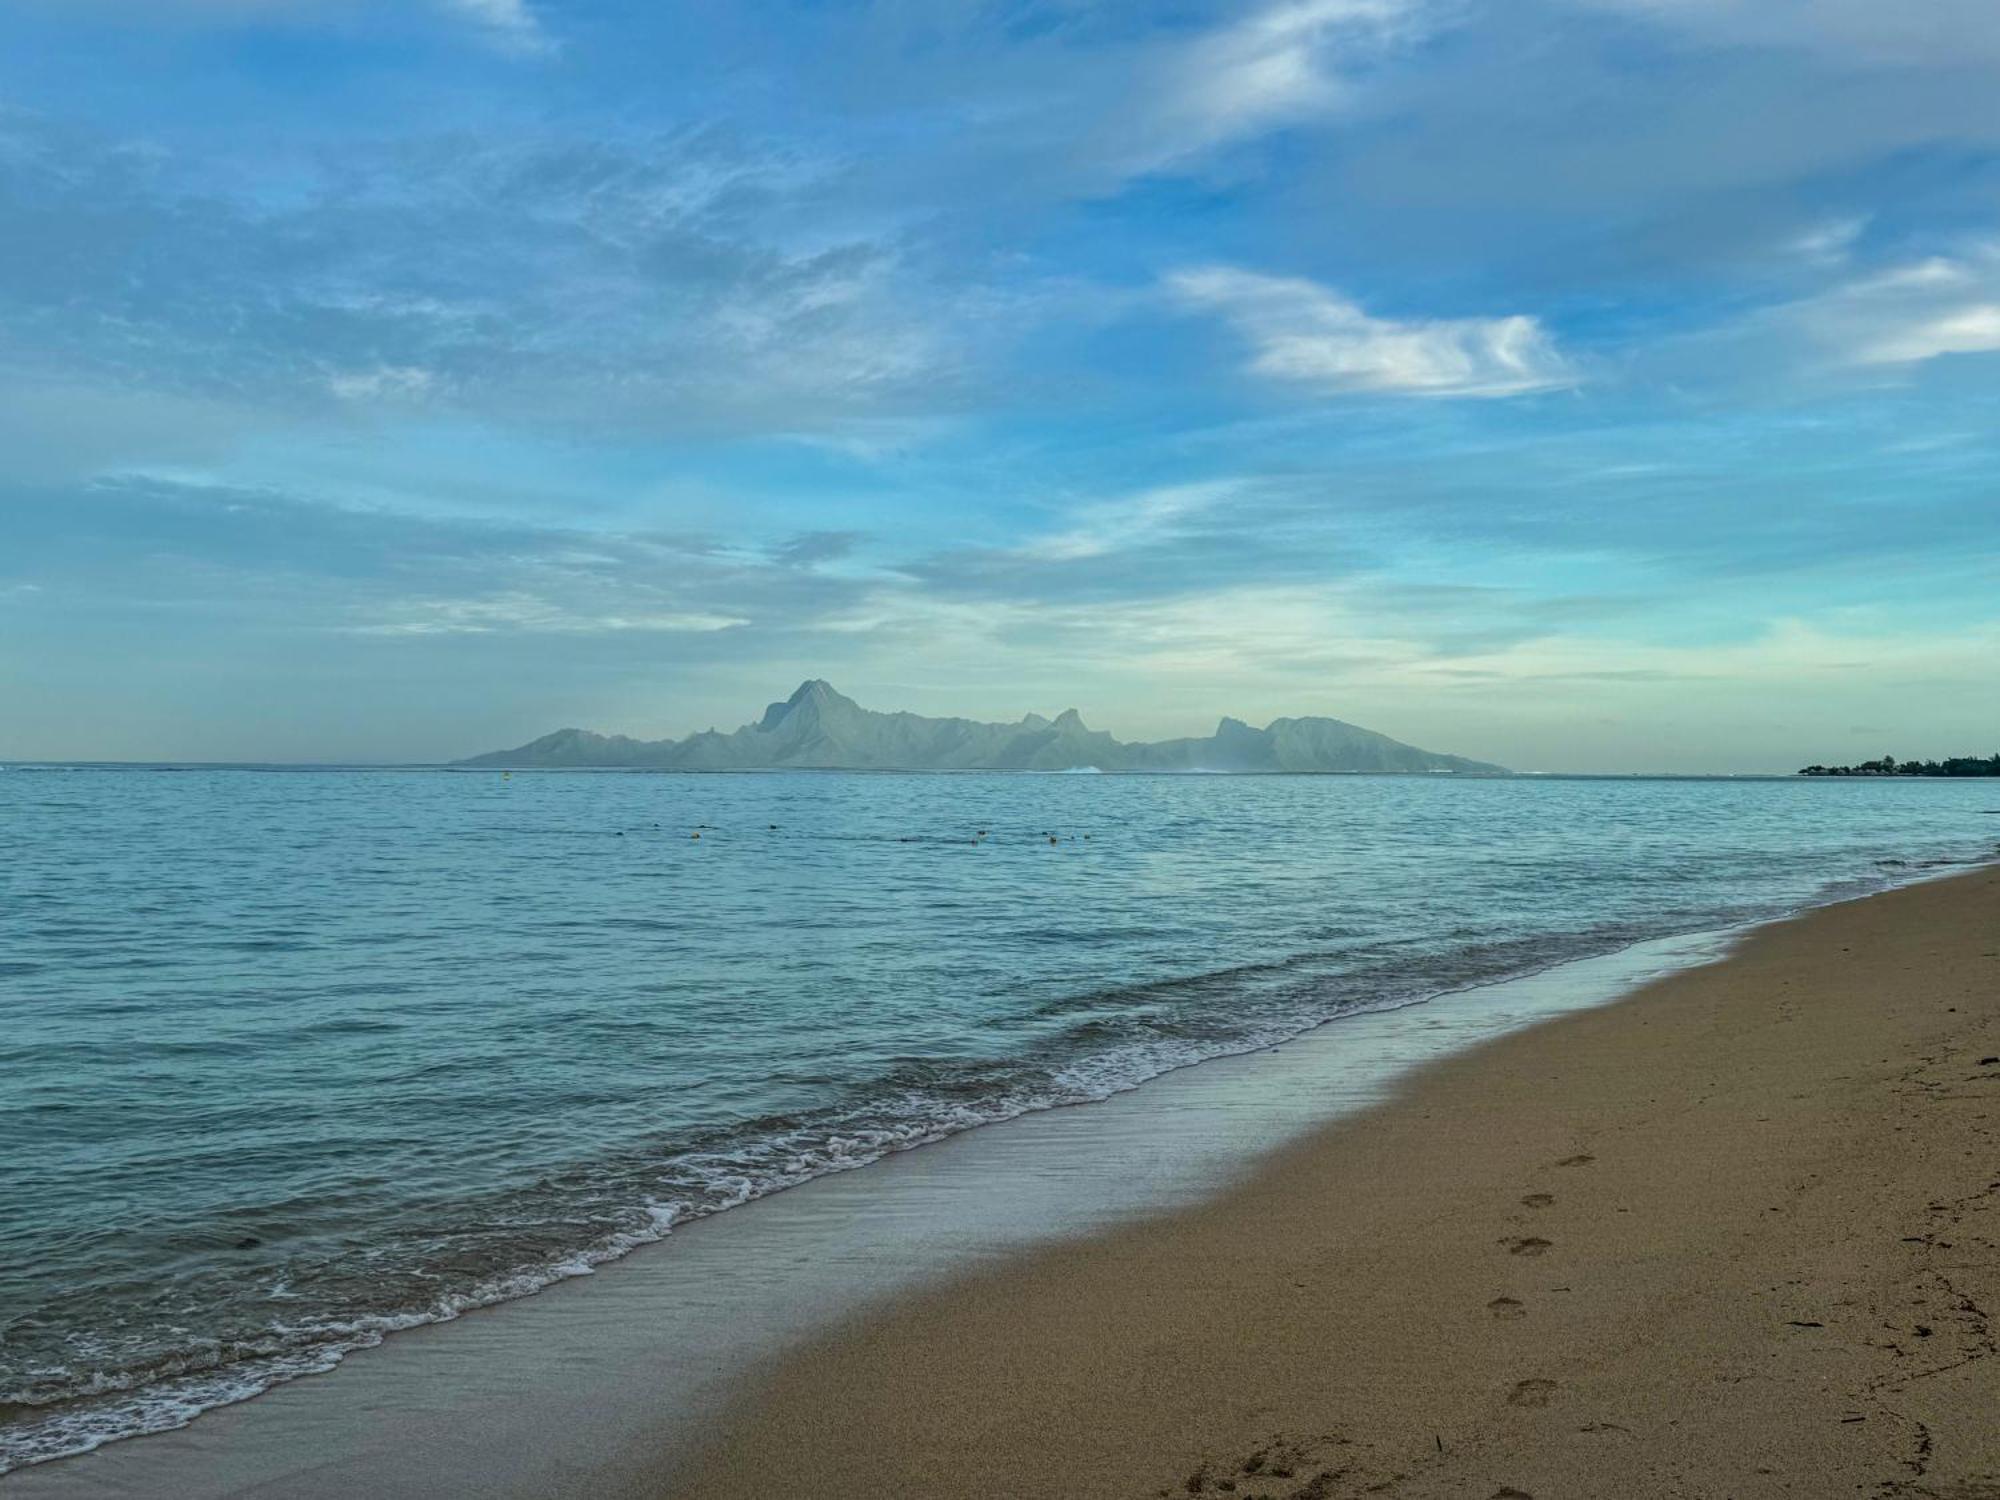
1888, 765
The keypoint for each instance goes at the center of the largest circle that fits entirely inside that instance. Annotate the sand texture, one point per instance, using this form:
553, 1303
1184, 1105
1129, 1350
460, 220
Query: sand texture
1736, 1236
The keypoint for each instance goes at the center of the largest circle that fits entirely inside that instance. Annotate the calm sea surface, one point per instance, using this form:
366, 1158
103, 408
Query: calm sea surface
290, 1060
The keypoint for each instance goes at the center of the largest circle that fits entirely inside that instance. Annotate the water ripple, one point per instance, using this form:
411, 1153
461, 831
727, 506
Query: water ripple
291, 1061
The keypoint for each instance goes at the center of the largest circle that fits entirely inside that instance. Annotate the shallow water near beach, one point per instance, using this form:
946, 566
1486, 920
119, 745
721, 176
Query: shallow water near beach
295, 1060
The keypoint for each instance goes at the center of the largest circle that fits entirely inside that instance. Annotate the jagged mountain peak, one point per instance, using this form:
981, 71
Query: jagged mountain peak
818, 728
814, 695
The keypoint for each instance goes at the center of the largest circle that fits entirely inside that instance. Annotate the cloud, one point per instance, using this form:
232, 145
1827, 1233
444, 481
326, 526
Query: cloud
657, 284
1167, 540
1973, 329
56, 429
811, 548
1830, 243
1259, 636
509, 24
385, 382
1122, 526
1908, 314
1053, 102
307, 566
1279, 65
1309, 335
1948, 33
529, 613
1779, 655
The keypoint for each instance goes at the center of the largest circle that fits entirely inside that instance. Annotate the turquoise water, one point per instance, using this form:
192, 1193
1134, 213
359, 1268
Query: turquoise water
293, 1059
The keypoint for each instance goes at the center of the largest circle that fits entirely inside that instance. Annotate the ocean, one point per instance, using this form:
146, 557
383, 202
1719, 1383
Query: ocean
290, 1060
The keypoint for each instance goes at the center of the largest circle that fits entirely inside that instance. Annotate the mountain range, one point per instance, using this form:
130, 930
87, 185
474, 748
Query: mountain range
819, 729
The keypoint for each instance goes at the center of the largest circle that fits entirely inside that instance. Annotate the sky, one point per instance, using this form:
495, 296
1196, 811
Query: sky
1602, 385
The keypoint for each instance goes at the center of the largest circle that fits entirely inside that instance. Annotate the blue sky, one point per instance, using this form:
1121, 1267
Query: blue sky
1580, 384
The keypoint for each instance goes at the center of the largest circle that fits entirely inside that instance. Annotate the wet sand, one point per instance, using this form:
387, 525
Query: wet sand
576, 1391
1737, 1235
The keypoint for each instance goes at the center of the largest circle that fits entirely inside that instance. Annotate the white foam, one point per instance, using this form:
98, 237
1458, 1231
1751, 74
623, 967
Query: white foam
113, 1407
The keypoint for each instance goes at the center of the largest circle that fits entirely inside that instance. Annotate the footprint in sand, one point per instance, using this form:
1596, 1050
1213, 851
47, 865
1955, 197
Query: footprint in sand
1583, 1159
1507, 1307
1538, 1200
1532, 1393
1528, 1245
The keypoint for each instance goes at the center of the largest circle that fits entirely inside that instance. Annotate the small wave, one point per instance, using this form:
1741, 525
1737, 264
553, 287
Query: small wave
915, 1103
1100, 1043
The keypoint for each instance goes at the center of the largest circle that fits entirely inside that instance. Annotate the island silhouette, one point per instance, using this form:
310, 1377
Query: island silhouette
818, 728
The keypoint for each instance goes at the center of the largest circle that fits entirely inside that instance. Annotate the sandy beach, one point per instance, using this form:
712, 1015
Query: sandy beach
1733, 1236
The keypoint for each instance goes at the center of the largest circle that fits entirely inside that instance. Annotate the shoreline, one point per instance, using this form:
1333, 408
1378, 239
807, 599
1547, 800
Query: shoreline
1733, 1233
471, 1397
658, 1340
1690, 947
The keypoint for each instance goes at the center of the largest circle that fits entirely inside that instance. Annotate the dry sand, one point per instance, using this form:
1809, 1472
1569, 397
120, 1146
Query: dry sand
1732, 1237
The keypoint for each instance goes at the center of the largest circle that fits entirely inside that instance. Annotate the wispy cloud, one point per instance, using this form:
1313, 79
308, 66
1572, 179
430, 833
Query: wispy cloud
1872, 32
1908, 314
528, 613
384, 382
1310, 335
508, 24
646, 284
1123, 525
809, 549
1278, 65
1830, 243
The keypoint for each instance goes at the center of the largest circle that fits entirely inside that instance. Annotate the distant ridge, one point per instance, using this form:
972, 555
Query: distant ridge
819, 729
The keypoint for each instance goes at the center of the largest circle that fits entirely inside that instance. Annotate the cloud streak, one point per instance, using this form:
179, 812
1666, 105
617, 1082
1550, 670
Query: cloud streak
651, 284
1911, 314
531, 614
1304, 334
1951, 33
509, 24
1122, 526
1277, 66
